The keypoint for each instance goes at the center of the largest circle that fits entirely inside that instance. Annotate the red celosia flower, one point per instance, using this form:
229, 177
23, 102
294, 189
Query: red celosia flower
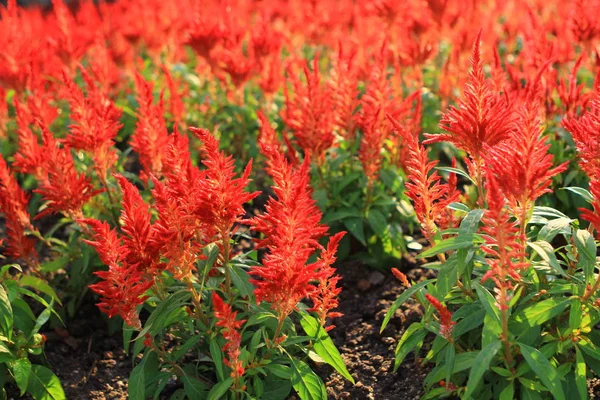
522, 165
429, 195
343, 83
3, 113
13, 204
503, 242
401, 277
226, 194
31, 156
308, 112
446, 322
184, 218
95, 123
140, 236
175, 102
122, 286
226, 319
65, 190
375, 104
291, 228
483, 118
268, 139
586, 134
325, 298
150, 138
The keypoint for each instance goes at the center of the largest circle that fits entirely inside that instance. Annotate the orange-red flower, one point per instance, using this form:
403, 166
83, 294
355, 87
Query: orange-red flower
226, 319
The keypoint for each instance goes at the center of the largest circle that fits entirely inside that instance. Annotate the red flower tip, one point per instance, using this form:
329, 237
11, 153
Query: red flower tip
446, 322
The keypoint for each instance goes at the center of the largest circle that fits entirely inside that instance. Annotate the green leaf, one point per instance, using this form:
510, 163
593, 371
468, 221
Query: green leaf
584, 193
553, 228
508, 393
540, 211
449, 359
21, 369
470, 223
217, 357
481, 366
586, 247
538, 313
5, 353
39, 285
323, 345
461, 241
546, 252
543, 369
306, 383
6, 314
277, 390
241, 280
41, 320
580, 374
377, 222
470, 322
455, 171
411, 339
194, 388
575, 314
279, 370
488, 301
356, 228
219, 389
44, 385
136, 388
459, 207
401, 299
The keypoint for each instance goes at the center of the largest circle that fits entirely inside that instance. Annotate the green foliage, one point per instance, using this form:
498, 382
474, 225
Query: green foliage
19, 334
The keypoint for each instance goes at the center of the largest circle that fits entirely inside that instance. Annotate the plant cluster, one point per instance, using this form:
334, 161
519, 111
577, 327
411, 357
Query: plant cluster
213, 267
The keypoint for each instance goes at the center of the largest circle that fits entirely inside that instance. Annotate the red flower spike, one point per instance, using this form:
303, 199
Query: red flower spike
136, 225
429, 195
446, 322
13, 204
226, 318
401, 277
122, 286
308, 112
483, 117
31, 157
325, 298
585, 131
291, 228
226, 194
66, 191
150, 138
502, 242
176, 105
95, 123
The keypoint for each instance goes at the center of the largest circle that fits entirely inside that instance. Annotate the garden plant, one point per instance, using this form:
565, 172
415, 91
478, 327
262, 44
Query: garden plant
200, 179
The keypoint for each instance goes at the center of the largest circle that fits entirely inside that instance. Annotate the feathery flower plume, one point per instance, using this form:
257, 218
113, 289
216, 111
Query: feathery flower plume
65, 190
446, 322
308, 112
226, 319
291, 228
343, 83
375, 104
522, 164
267, 138
226, 194
586, 134
401, 277
175, 101
150, 138
325, 297
31, 157
13, 204
122, 286
429, 195
95, 123
503, 243
483, 118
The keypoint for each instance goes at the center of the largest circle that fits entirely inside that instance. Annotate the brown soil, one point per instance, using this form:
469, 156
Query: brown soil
369, 355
